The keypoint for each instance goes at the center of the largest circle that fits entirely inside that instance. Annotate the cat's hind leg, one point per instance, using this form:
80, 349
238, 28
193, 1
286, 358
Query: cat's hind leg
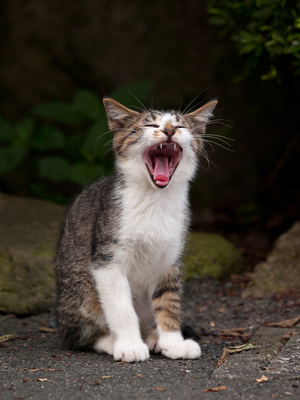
105, 344
166, 306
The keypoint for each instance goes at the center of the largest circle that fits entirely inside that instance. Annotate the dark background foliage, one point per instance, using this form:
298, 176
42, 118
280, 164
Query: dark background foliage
67, 55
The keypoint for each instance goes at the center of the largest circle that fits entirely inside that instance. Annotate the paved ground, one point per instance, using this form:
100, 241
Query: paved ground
33, 366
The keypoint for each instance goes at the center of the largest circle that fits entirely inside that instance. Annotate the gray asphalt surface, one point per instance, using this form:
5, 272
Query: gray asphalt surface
34, 366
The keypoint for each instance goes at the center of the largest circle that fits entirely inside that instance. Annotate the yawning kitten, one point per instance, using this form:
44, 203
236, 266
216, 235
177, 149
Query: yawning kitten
118, 261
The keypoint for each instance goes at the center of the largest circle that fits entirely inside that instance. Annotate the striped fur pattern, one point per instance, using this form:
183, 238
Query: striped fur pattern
118, 259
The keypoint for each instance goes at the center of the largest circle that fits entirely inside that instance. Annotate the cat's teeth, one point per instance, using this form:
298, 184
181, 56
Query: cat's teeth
161, 146
175, 147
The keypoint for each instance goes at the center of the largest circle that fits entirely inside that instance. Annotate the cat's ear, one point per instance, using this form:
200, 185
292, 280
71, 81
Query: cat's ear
200, 117
117, 114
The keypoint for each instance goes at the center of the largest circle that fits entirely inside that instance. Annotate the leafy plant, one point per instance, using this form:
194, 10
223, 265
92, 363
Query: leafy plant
264, 31
61, 144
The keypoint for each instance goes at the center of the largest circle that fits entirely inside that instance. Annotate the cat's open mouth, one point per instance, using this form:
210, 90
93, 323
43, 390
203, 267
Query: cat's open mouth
162, 161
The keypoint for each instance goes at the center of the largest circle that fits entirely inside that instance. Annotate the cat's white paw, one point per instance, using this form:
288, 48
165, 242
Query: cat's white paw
105, 344
130, 352
187, 349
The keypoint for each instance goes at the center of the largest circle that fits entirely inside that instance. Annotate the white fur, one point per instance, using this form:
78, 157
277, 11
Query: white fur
172, 345
153, 222
115, 296
105, 344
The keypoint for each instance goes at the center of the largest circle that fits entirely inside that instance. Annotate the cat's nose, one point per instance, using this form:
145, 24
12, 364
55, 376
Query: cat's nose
169, 132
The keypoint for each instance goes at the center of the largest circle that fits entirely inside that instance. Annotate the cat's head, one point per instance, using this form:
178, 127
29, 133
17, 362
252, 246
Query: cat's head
157, 145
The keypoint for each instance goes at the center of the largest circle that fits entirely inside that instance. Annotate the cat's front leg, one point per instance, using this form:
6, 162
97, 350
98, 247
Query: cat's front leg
166, 306
116, 301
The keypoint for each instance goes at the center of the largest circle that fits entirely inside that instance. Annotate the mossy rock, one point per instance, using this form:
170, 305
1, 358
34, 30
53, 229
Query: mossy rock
29, 230
281, 271
210, 255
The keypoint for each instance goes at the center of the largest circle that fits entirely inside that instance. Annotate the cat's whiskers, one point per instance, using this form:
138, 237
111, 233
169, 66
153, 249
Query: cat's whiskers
219, 121
212, 138
144, 108
141, 109
115, 130
110, 131
220, 138
204, 154
213, 142
102, 134
189, 109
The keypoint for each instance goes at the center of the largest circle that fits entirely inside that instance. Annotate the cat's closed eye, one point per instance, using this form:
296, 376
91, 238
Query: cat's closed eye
152, 126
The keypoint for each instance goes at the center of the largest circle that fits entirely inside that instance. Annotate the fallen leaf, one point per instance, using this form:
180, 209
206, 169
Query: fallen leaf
223, 358
43, 380
52, 369
105, 377
139, 375
233, 332
9, 336
287, 323
234, 349
242, 347
45, 329
262, 379
286, 337
159, 388
215, 389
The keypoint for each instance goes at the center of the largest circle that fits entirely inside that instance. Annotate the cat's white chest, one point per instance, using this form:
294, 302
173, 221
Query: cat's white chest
153, 223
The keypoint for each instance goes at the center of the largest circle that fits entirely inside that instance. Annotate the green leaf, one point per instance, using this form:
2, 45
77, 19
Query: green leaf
133, 95
47, 138
73, 146
40, 189
88, 104
59, 112
23, 132
56, 169
6, 131
97, 141
272, 74
84, 173
10, 158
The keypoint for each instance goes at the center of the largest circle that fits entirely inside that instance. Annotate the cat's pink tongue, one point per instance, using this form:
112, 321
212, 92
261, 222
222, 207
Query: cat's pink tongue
161, 170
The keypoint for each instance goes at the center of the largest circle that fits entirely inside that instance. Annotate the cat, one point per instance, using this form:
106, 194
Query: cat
118, 259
